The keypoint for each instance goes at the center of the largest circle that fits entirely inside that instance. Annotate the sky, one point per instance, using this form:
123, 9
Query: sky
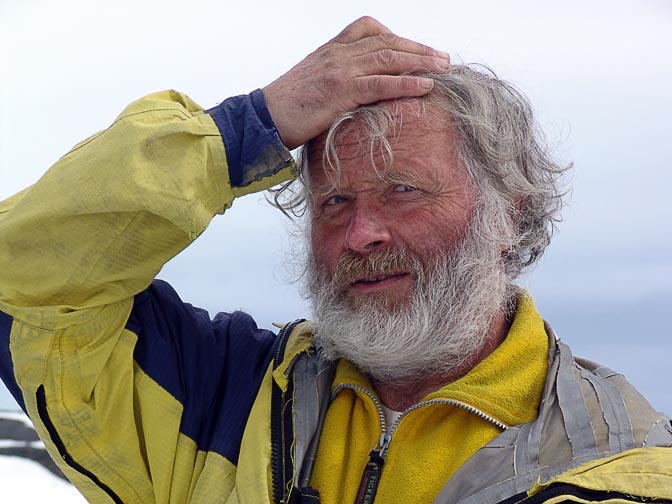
598, 74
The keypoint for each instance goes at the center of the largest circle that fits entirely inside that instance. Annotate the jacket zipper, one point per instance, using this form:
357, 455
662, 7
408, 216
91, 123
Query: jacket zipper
368, 485
60, 446
282, 431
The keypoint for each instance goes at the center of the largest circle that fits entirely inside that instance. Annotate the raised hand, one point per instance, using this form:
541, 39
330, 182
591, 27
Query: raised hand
363, 64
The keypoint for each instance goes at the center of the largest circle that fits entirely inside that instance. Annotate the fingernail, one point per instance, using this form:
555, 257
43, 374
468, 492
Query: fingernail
444, 63
443, 54
426, 83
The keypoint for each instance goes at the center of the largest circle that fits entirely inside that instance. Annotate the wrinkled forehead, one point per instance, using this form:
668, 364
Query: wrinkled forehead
375, 134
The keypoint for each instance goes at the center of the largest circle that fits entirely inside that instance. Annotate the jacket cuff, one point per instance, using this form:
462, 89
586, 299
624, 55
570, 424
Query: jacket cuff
253, 146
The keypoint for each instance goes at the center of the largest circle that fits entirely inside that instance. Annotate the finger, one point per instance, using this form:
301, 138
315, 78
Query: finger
391, 41
362, 28
389, 87
386, 62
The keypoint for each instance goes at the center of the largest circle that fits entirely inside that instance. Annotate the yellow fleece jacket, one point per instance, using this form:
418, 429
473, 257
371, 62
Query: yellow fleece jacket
433, 441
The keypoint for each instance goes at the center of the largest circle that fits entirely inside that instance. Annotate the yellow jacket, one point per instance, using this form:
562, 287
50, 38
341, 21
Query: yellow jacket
142, 398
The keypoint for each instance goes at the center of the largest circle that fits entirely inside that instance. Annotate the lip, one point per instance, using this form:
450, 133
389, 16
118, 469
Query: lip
379, 282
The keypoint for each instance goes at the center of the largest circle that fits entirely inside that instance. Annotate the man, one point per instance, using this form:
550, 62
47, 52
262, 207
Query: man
427, 376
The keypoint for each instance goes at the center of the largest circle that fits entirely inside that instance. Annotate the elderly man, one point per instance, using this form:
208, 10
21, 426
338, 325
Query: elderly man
427, 377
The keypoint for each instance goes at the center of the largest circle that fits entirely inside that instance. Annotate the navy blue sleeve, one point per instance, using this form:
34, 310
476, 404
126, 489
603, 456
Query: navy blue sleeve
253, 146
213, 367
6, 366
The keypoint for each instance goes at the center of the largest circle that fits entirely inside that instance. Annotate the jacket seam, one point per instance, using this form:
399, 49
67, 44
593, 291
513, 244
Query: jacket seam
83, 438
56, 439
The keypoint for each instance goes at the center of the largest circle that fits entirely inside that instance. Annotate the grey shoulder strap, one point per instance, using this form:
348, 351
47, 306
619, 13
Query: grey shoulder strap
587, 412
312, 391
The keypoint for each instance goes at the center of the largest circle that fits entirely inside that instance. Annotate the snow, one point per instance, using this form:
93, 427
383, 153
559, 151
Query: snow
18, 416
24, 481
5, 443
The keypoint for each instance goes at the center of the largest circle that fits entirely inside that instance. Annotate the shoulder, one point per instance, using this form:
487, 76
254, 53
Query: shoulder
632, 476
603, 399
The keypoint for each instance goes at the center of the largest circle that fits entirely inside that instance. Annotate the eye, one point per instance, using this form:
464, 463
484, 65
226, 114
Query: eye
404, 188
334, 200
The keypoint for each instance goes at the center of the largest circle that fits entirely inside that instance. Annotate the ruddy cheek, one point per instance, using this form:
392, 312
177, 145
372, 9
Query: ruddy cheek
325, 251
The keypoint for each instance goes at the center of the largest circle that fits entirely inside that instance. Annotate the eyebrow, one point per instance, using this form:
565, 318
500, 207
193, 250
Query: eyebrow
392, 176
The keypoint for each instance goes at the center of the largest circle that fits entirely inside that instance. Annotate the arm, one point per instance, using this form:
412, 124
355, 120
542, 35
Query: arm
124, 382
158, 175
101, 223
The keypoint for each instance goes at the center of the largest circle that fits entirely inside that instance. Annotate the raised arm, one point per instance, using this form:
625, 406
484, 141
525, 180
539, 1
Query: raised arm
101, 223
129, 387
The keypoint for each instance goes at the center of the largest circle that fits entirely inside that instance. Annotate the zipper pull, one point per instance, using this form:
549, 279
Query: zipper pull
368, 486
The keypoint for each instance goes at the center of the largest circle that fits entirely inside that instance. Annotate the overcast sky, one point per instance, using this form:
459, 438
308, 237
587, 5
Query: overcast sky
599, 74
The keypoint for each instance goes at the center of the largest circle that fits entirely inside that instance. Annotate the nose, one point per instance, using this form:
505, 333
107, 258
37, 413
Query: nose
367, 230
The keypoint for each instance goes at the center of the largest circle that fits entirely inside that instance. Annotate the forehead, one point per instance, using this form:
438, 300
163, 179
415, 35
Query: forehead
417, 140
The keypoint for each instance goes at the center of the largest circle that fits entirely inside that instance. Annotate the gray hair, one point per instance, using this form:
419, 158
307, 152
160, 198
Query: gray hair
499, 144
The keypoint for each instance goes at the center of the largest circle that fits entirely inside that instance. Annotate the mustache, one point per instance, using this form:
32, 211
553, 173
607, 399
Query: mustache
352, 267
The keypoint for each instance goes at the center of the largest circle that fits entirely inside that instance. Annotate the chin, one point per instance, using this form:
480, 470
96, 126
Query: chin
389, 303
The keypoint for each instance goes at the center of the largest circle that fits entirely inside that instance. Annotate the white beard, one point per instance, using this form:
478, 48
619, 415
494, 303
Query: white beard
443, 325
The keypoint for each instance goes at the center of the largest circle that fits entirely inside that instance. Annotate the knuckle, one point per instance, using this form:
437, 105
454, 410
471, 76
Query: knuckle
408, 84
386, 57
371, 86
362, 23
387, 39
365, 21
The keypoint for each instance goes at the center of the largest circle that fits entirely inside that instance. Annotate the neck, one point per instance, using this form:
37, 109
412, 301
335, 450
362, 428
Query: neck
399, 397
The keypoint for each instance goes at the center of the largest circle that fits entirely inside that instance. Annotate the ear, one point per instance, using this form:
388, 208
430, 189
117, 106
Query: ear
515, 212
